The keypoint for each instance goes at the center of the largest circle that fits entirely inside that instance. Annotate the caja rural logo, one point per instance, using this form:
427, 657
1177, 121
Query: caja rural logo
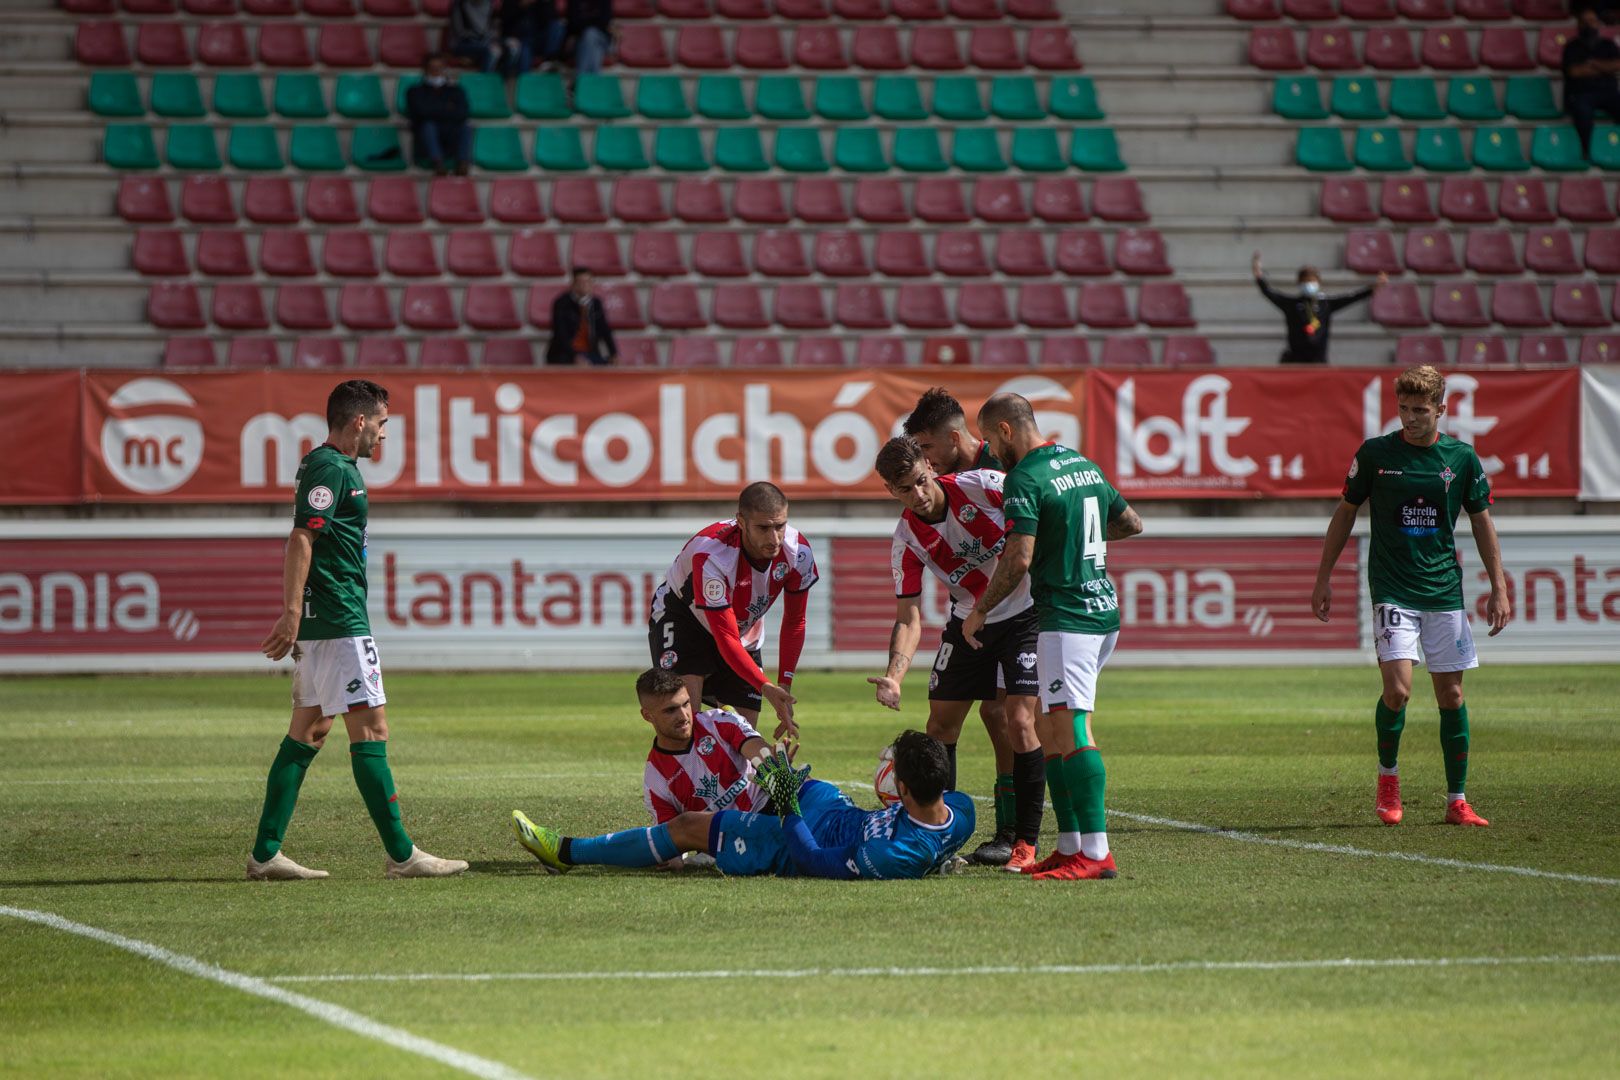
151, 440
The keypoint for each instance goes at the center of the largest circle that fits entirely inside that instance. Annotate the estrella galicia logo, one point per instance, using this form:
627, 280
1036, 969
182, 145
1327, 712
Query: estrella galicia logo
1419, 518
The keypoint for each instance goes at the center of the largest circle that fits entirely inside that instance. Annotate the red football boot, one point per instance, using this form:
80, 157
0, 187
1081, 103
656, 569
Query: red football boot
1460, 813
1388, 805
1080, 868
1054, 859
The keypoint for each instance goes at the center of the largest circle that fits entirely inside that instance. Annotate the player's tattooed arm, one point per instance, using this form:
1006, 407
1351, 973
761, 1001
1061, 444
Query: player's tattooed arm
903, 640
1125, 526
1499, 608
1016, 556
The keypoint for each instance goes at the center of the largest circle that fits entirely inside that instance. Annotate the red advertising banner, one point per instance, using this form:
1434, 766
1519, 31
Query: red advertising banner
39, 437
1280, 432
238, 436
1184, 594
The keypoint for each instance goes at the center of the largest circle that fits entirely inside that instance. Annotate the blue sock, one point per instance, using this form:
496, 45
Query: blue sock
632, 847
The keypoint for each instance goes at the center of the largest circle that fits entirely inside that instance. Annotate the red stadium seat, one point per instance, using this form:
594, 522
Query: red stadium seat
683, 9
537, 308
801, 9
144, 199
1065, 352
1274, 48
515, 201
818, 48
1164, 304
471, 253
1398, 305
689, 352
1551, 250
343, 45
1578, 303
801, 307
107, 7
1465, 199
330, 200
817, 351
1542, 349
223, 45
947, 350
675, 307
1582, 198
637, 352
380, 352
859, 9
596, 251
1367, 10
1541, 10
1045, 305
877, 48
992, 48
1504, 48
395, 201
1600, 348
349, 253
409, 253
162, 44
739, 306
100, 44
1550, 45
916, 10
1406, 200
1050, 49
1390, 49
1126, 350
983, 306
1140, 253
656, 254
391, 9
316, 352
1253, 10
453, 200
641, 45
427, 306
443, 352
1118, 199
760, 48
1481, 349
533, 253
1457, 304
159, 253
639, 200
756, 352
862, 307
696, 47
700, 201
819, 200
742, 9
1000, 352
578, 201
900, 254
1331, 48
718, 254
269, 200
1490, 251
206, 200
1430, 251
1082, 253
1516, 304
1446, 48
239, 307
1309, 10
284, 45
1603, 251
1105, 306
1022, 253
223, 253
940, 200
958, 253
1483, 10
488, 306
1186, 349
1414, 349
253, 352
1058, 200
780, 253
403, 46
1371, 251
270, 8
975, 10
1000, 201
880, 201
303, 307
1524, 200
839, 254
1348, 201
759, 202
934, 48
880, 352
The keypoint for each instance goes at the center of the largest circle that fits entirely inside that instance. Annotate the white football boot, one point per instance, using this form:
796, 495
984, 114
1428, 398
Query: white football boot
421, 864
280, 868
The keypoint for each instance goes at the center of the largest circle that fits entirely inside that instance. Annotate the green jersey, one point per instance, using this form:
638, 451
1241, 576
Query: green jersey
984, 459
331, 504
1062, 500
1416, 493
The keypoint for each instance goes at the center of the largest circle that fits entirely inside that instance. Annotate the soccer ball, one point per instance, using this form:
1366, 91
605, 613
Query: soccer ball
883, 779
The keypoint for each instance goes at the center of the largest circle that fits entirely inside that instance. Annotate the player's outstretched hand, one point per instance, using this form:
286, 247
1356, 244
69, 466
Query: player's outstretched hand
776, 776
1321, 601
888, 692
282, 637
783, 702
971, 627
1499, 612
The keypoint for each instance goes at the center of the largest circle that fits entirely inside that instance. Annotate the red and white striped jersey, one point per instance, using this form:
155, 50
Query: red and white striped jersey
710, 774
961, 550
711, 572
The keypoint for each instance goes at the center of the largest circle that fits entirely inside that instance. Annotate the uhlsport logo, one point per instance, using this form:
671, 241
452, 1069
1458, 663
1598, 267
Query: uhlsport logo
149, 444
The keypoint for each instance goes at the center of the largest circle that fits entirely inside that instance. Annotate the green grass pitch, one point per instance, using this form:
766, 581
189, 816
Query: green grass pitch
128, 804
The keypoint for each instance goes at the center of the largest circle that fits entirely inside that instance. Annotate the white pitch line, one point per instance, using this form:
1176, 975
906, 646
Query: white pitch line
325, 1011
1341, 964
258, 778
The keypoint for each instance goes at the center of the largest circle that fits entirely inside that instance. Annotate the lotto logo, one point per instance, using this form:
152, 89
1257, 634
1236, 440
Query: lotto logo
354, 685
1054, 686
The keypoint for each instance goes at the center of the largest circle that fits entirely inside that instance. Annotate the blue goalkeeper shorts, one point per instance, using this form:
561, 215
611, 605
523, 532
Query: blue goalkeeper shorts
748, 843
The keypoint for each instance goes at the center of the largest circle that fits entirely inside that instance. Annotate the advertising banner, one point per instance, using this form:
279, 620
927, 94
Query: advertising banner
39, 437
1600, 433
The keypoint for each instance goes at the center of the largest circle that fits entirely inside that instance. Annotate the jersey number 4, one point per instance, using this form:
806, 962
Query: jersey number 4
1094, 546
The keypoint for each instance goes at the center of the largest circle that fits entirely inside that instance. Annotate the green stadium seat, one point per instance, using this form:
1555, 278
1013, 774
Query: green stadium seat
720, 97
1014, 97
1439, 149
838, 97
176, 93
798, 149
1414, 97
1530, 97
1605, 146
778, 97
1379, 149
898, 97
597, 96
1495, 148
1321, 149
486, 96
1035, 149
977, 149
1356, 98
917, 149
620, 149
1557, 148
542, 96
129, 146
314, 148
738, 149
679, 149
1096, 150
1472, 99
559, 149
192, 146
956, 97
661, 97
1298, 97
254, 147
240, 96
359, 97
298, 95
498, 149
115, 93
372, 147
1074, 97
858, 149
401, 88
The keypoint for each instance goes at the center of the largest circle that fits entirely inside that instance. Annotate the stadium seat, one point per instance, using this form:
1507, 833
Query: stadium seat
898, 97
983, 306
1446, 48
488, 307
1414, 97
254, 147
223, 253
1140, 253
916, 10
145, 199
1095, 149
1004, 352
1556, 148
410, 253
302, 307
780, 253
675, 306
1187, 350
1064, 351
1045, 306
820, 201
1371, 251
515, 201
1457, 304
1517, 304
253, 352
879, 201
471, 253
639, 200
1490, 251
880, 352
700, 201
689, 352
1549, 250
174, 306
315, 352
330, 200
877, 48
542, 96
192, 146
559, 149
1605, 147
380, 352
684, 9
237, 306
1524, 200
817, 48
598, 250
426, 306
1321, 149
718, 254
498, 149
159, 253
533, 253
349, 253
815, 351
1274, 48
756, 352
1082, 253
743, 9
858, 149
453, 200
402, 46
1254, 10
760, 48
240, 96
1600, 349
1353, 98
917, 149
1331, 48
959, 253
946, 350
1389, 49
641, 45
1484, 9
956, 97
839, 253
798, 149
162, 44
1497, 149
1465, 199
1414, 349
1105, 306
1000, 201
284, 45
696, 47
1022, 253
636, 352
174, 93
656, 254
314, 148
1126, 350
977, 150
1379, 148
1439, 149
595, 95
1164, 304
443, 352
1603, 251
390, 9
1406, 200
1310, 10
801, 307
940, 201
759, 202
1542, 349
661, 97
395, 201
1398, 305
359, 96
1482, 348
100, 44
1014, 97
738, 149
1504, 48
678, 149
900, 253
129, 146
1367, 10
837, 97
206, 200
619, 149
1530, 97
738, 306
1578, 303
1347, 201
298, 95
861, 307
268, 200
1046, 49
1074, 97
1430, 251
1550, 45
1035, 149
921, 306
995, 48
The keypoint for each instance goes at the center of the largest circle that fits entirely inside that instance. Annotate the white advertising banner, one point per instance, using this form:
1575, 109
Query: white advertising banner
1600, 433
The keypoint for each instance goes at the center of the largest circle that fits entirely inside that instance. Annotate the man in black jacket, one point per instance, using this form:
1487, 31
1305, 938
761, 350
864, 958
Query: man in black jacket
1308, 313
1590, 63
579, 328
437, 109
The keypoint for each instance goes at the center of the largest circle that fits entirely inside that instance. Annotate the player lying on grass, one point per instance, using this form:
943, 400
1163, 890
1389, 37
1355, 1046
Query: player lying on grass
821, 833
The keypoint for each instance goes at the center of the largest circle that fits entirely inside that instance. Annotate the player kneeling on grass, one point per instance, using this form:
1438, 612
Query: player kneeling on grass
821, 833
1418, 481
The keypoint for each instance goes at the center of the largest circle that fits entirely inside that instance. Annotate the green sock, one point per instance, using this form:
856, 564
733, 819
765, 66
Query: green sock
281, 795
1389, 723
1087, 780
370, 763
1454, 747
1059, 791
1006, 815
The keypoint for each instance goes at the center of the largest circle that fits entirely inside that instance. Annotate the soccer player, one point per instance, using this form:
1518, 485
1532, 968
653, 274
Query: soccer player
953, 527
1418, 481
325, 626
1061, 512
697, 762
940, 427
708, 613
821, 833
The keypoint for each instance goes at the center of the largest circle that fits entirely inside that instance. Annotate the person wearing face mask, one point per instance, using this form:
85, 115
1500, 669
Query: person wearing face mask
1309, 313
1591, 62
437, 109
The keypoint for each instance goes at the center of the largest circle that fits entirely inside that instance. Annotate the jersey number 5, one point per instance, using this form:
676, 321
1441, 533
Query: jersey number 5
1094, 547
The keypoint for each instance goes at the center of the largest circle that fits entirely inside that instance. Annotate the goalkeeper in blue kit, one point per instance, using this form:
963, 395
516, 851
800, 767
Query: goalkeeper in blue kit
820, 833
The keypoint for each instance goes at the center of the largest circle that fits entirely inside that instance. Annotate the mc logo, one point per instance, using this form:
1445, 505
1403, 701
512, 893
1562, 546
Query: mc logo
146, 448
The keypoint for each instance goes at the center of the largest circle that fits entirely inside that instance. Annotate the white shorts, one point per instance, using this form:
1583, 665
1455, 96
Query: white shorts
1068, 665
337, 674
1446, 640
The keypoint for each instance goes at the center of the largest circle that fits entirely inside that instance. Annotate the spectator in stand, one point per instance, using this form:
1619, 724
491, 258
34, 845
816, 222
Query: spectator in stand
437, 109
474, 32
1591, 62
580, 333
590, 27
526, 27
1309, 314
